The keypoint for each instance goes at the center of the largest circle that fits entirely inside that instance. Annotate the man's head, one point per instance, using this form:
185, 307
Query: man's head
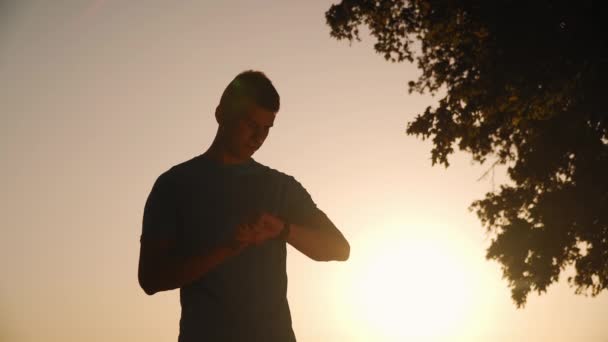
246, 112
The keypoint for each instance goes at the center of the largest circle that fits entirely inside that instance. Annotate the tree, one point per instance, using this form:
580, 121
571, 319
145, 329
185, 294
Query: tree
524, 84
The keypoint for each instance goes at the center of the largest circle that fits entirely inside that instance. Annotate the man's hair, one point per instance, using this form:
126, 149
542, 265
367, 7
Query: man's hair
249, 86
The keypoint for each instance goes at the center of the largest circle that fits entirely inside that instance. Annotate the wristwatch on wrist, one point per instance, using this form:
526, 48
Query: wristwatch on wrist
285, 231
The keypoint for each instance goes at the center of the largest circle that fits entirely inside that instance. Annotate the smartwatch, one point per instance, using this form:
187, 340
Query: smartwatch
285, 231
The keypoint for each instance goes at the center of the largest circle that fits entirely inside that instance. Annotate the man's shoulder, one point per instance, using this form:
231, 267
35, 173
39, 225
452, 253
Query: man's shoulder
194, 162
276, 173
181, 170
282, 177
195, 167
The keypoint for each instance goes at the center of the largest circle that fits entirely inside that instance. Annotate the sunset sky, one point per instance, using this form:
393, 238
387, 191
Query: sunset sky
100, 97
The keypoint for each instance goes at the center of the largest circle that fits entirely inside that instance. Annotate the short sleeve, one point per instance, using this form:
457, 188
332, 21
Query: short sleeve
160, 211
301, 206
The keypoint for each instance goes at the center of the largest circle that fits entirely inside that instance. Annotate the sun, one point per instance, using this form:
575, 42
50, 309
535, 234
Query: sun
413, 286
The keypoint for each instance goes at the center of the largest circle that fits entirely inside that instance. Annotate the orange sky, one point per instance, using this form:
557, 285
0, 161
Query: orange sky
99, 97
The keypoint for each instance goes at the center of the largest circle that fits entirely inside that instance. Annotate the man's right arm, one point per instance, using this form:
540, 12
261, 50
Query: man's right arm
161, 265
161, 268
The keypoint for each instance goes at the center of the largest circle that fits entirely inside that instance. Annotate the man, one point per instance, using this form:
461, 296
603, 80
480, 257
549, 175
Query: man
216, 227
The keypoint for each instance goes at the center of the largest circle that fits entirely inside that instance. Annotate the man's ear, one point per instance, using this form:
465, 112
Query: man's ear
218, 115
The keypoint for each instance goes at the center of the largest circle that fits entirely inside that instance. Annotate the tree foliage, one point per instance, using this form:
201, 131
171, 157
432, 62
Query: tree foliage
524, 85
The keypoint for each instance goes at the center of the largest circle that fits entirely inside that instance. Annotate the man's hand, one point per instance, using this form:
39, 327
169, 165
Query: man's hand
257, 228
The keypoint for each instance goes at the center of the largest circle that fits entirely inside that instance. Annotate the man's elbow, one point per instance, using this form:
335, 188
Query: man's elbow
147, 285
343, 251
340, 252
149, 290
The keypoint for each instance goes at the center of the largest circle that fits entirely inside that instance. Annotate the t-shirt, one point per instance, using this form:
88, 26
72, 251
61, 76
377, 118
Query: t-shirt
199, 203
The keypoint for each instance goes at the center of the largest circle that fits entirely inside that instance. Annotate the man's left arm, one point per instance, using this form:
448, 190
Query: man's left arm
311, 231
318, 238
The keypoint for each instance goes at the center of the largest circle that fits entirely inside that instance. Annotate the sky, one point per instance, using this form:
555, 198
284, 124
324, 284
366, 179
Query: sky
100, 97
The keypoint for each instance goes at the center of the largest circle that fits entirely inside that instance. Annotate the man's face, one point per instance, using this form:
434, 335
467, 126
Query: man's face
248, 130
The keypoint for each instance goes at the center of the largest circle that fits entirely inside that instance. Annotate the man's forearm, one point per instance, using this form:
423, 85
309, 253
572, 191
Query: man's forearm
320, 243
178, 271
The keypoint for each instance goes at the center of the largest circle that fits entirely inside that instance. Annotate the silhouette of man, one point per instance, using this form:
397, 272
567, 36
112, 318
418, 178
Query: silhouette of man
216, 227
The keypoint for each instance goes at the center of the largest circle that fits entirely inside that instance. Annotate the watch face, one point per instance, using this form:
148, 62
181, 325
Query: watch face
285, 231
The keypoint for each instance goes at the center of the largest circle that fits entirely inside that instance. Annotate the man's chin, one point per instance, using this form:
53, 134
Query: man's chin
246, 156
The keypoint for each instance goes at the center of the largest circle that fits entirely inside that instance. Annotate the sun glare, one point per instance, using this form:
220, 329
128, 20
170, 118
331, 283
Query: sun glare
413, 286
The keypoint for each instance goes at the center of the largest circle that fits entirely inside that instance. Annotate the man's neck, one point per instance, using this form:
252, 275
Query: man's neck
222, 156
